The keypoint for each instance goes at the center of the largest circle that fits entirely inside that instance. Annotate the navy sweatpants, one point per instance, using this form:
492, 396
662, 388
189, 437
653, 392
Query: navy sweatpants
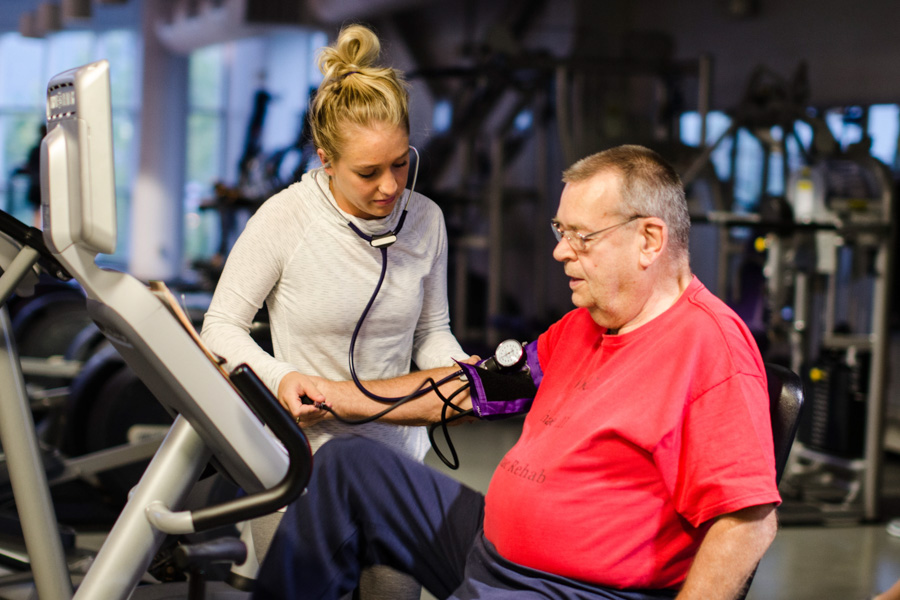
368, 505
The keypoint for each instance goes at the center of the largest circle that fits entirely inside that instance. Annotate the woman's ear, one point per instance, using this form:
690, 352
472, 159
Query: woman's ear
654, 239
325, 162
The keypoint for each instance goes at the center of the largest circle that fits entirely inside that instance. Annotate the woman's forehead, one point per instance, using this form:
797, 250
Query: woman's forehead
373, 145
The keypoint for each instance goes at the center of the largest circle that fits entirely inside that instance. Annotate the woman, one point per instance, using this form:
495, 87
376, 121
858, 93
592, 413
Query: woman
300, 256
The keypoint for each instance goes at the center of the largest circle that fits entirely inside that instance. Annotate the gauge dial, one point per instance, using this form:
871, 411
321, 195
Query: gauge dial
509, 354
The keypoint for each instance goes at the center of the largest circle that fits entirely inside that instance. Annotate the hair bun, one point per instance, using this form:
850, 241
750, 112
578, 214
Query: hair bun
356, 49
355, 90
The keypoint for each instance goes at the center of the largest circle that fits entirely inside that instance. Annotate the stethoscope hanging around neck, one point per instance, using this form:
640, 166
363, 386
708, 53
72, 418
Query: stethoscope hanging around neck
381, 241
386, 239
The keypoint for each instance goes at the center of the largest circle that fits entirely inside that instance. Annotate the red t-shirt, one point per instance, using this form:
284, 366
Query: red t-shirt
633, 443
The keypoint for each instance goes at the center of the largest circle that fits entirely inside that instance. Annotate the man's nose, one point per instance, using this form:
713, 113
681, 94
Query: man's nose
563, 251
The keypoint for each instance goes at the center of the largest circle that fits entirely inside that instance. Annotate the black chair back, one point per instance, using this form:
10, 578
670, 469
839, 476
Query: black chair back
785, 403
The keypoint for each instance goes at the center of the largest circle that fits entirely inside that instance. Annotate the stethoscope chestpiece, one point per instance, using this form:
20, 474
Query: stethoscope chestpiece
387, 239
383, 240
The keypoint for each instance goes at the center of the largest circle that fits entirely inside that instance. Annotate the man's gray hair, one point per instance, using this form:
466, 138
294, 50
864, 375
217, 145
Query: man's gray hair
650, 187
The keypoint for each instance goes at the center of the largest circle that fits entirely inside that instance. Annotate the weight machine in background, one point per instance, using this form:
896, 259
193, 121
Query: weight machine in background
837, 329
819, 303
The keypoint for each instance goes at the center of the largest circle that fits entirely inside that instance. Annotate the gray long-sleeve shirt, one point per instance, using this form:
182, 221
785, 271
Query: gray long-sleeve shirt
299, 256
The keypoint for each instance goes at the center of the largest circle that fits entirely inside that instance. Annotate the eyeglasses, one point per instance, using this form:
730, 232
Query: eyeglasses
579, 241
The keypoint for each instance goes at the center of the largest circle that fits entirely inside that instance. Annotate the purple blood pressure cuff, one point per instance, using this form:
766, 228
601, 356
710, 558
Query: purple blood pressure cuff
500, 394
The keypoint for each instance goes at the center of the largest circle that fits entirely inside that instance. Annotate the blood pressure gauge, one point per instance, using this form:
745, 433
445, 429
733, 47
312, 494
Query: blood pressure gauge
510, 354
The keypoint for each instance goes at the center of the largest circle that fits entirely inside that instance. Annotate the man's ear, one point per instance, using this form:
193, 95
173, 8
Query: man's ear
325, 162
654, 240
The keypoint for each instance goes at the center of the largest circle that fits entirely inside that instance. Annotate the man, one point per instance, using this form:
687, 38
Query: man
645, 466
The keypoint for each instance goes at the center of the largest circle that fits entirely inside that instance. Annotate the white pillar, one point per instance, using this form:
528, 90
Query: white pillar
156, 206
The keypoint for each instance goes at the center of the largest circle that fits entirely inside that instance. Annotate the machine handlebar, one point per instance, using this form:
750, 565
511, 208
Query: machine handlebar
266, 406
32, 237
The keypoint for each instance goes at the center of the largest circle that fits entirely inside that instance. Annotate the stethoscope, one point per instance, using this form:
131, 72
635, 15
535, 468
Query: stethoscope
382, 242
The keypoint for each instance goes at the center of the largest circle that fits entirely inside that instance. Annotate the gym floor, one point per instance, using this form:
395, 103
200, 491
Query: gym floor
846, 562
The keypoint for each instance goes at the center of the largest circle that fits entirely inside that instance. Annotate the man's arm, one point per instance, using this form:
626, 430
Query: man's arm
729, 553
350, 403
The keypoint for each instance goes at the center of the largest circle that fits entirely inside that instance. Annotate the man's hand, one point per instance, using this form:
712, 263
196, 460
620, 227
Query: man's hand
292, 388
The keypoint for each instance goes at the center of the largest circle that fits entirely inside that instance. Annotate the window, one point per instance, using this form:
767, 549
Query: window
21, 113
227, 83
883, 128
26, 65
881, 122
846, 124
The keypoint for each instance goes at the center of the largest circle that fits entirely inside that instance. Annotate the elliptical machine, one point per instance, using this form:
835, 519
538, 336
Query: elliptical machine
224, 418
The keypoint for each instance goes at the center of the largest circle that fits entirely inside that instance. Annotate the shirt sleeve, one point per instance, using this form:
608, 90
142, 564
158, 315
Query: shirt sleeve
434, 345
723, 454
251, 272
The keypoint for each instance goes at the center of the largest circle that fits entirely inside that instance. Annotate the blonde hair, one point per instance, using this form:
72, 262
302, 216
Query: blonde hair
355, 90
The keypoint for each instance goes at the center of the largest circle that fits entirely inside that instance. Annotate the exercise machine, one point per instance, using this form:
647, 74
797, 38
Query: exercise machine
818, 300
226, 419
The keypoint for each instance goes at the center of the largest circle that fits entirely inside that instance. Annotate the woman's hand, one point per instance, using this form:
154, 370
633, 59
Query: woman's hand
295, 386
